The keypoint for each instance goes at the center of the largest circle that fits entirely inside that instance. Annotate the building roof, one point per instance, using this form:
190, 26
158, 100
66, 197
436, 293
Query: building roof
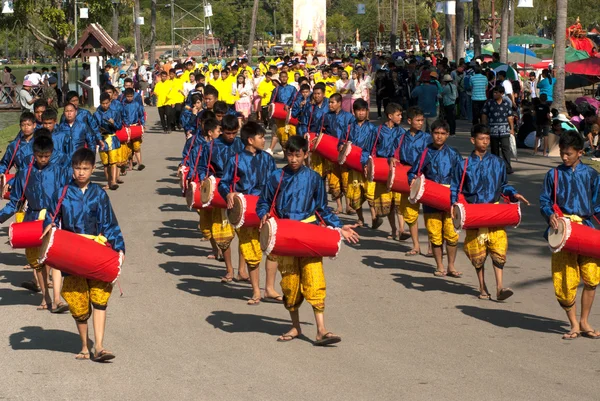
93, 40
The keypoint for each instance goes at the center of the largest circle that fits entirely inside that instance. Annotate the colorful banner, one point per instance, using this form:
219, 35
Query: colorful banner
310, 18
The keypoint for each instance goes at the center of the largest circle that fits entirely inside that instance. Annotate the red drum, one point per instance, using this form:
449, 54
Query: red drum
325, 145
577, 238
130, 133
350, 157
243, 213
193, 196
430, 193
378, 169
477, 215
398, 179
209, 194
75, 254
277, 112
284, 237
3, 181
26, 234
182, 173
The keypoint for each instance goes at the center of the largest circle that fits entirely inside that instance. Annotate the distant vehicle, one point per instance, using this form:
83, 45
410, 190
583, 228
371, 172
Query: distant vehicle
277, 51
4, 61
170, 53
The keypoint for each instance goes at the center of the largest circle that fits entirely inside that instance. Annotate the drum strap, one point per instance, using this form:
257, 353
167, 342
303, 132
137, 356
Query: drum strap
27, 178
196, 163
235, 175
322, 123
60, 201
275, 96
374, 150
462, 179
312, 112
398, 152
423, 161
555, 206
208, 165
272, 211
12, 159
348, 132
295, 96
189, 150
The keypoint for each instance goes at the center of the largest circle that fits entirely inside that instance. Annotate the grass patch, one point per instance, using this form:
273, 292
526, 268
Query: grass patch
8, 134
592, 163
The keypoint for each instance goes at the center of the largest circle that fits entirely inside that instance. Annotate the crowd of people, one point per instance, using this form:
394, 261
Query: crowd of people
225, 113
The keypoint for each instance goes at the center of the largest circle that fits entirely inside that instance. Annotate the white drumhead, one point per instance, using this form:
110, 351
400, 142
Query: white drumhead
370, 169
458, 218
557, 238
415, 187
346, 148
189, 194
206, 190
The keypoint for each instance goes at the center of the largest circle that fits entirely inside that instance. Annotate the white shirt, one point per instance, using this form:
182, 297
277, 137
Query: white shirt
24, 98
35, 78
508, 89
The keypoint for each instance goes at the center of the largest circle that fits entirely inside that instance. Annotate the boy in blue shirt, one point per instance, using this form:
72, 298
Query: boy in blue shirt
133, 114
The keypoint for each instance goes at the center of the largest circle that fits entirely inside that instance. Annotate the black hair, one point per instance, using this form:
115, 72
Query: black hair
49, 114
499, 89
296, 143
42, 132
196, 98
39, 103
479, 129
27, 116
220, 107
302, 79
210, 125
413, 112
129, 91
391, 108
108, 87
304, 87
360, 104
250, 130
320, 86
83, 156
211, 90
570, 139
501, 73
105, 96
337, 97
127, 80
439, 124
43, 144
230, 123
206, 115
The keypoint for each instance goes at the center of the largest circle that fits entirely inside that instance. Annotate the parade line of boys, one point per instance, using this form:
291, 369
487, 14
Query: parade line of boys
54, 165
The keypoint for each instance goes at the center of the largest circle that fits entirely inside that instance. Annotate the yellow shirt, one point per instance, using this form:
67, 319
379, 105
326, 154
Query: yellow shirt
265, 90
226, 88
349, 70
161, 89
174, 96
330, 88
263, 68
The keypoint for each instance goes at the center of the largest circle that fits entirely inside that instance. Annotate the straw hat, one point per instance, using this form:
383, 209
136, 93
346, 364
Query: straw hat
447, 78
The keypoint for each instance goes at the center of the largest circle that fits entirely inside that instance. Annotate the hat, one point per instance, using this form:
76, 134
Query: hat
434, 74
27, 83
562, 117
425, 76
178, 72
146, 62
52, 80
122, 72
447, 78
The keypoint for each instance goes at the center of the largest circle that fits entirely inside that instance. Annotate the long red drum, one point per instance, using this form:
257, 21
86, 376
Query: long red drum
577, 238
80, 256
277, 112
325, 145
209, 194
3, 181
193, 196
469, 216
182, 172
243, 213
26, 234
378, 169
130, 133
430, 193
350, 157
284, 237
398, 179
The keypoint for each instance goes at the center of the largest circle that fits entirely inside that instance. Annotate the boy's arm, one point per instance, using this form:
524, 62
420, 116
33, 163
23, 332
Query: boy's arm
118, 121
15, 196
141, 114
266, 197
227, 179
456, 177
109, 226
8, 155
547, 196
92, 123
326, 213
507, 190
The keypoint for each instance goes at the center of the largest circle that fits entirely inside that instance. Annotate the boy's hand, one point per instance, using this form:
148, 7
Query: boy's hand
263, 221
452, 212
349, 234
110, 120
122, 256
229, 199
553, 221
101, 145
521, 198
47, 230
393, 162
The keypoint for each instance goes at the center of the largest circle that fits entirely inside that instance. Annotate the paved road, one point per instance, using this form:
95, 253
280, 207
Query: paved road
179, 333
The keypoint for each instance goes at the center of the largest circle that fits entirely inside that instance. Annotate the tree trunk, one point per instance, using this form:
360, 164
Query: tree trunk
139, 55
560, 38
60, 47
511, 19
448, 38
504, 32
460, 31
252, 29
115, 22
152, 55
394, 28
476, 28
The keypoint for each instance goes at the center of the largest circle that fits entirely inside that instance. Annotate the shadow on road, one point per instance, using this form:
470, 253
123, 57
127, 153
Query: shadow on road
34, 338
377, 262
178, 228
18, 297
246, 323
174, 180
174, 207
505, 318
212, 289
426, 284
14, 259
175, 249
169, 192
191, 269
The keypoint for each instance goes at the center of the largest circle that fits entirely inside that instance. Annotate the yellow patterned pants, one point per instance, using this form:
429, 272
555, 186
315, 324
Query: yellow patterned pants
478, 243
318, 164
302, 278
135, 146
334, 180
32, 254
250, 245
567, 271
205, 222
80, 292
440, 228
359, 190
410, 211
383, 200
222, 232
111, 154
281, 133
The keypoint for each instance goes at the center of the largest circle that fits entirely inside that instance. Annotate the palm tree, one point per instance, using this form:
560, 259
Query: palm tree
252, 28
394, 28
153, 31
560, 39
139, 55
460, 30
504, 31
448, 37
476, 28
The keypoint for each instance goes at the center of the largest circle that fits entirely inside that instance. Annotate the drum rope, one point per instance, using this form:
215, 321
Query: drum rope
462, 179
399, 148
235, 172
373, 151
13, 156
27, 178
422, 161
186, 158
272, 210
196, 163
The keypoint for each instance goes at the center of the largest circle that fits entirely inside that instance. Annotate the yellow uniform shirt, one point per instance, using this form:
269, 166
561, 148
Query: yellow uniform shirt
330, 88
265, 90
263, 68
225, 90
349, 70
161, 90
175, 96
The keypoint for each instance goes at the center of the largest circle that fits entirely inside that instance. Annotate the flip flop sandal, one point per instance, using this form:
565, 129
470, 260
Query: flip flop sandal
589, 334
378, 222
241, 280
439, 273
569, 336
31, 286
284, 338
454, 274
42, 307
411, 253
226, 279
392, 236
428, 254
114, 187
273, 300
103, 356
404, 236
486, 297
505, 293
60, 308
82, 356
141, 167
328, 339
